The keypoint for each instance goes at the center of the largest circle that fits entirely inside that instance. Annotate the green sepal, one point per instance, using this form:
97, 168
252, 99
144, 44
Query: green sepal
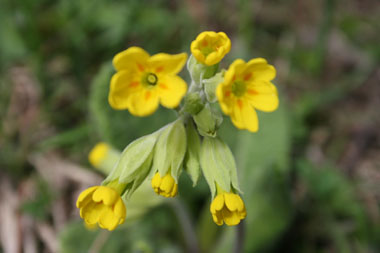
132, 159
139, 177
199, 71
218, 165
211, 84
193, 103
170, 150
208, 121
191, 162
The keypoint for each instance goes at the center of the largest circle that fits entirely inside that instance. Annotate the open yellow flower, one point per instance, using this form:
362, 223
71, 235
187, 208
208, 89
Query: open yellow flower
247, 87
228, 208
209, 48
165, 186
143, 81
102, 205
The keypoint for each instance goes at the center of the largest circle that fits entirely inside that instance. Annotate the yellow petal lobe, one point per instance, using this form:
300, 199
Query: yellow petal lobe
164, 186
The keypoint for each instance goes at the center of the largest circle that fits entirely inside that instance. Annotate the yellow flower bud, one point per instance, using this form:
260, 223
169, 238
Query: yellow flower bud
102, 205
103, 157
228, 208
98, 154
165, 186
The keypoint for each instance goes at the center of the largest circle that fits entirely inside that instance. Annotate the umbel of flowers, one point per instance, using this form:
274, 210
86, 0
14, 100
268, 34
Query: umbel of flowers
191, 143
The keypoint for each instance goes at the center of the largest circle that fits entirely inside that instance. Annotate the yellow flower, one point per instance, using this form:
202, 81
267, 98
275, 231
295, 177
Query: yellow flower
102, 205
247, 87
98, 153
143, 81
165, 186
229, 208
209, 48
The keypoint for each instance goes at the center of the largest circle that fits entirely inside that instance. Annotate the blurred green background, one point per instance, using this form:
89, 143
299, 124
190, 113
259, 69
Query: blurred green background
310, 176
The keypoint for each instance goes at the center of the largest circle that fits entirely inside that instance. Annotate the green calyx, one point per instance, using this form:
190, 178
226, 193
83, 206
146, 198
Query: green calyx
134, 164
170, 150
193, 103
208, 121
199, 71
218, 166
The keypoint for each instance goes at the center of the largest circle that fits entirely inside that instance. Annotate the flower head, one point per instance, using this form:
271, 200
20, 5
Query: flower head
228, 208
165, 186
143, 81
247, 87
209, 48
102, 205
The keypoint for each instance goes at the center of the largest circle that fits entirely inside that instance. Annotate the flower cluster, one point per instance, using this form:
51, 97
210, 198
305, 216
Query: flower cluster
191, 143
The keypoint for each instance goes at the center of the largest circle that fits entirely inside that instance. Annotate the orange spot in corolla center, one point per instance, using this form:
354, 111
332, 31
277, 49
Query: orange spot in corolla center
159, 69
247, 76
140, 67
163, 86
147, 95
252, 92
227, 93
204, 43
133, 84
234, 78
240, 104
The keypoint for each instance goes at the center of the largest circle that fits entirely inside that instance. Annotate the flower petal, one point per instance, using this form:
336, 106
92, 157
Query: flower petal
123, 84
143, 103
108, 220
174, 191
171, 90
217, 204
85, 195
232, 201
243, 116
263, 97
218, 218
106, 195
92, 212
259, 69
134, 58
167, 183
230, 218
167, 63
119, 209
234, 70
156, 181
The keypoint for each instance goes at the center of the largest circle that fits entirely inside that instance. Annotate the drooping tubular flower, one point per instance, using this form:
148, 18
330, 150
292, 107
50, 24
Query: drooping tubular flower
246, 87
219, 169
143, 81
102, 205
168, 159
209, 48
165, 186
227, 207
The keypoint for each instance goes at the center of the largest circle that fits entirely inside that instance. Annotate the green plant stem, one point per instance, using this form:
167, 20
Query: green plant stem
187, 228
240, 236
